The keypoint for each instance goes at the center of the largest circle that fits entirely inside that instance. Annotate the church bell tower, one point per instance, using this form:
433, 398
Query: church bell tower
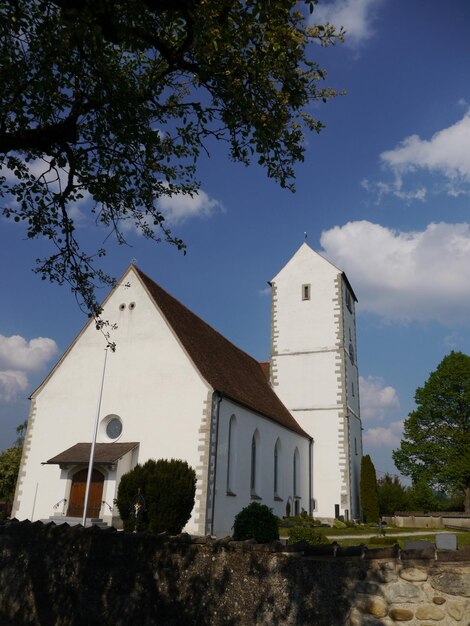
313, 369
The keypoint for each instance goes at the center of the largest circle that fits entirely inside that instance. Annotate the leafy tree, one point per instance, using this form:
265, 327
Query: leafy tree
368, 489
392, 494
10, 464
113, 101
168, 489
256, 521
422, 498
435, 448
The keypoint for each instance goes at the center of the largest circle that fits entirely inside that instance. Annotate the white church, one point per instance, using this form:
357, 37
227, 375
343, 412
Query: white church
285, 433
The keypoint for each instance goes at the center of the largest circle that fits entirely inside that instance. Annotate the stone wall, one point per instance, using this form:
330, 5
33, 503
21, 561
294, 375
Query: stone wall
429, 520
60, 576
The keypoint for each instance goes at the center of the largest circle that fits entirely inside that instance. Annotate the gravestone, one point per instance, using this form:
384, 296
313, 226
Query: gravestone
446, 541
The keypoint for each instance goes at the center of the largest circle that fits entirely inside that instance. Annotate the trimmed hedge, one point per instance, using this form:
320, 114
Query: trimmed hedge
168, 489
256, 521
309, 535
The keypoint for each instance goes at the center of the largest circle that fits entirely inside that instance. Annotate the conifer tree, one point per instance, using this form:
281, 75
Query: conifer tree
369, 493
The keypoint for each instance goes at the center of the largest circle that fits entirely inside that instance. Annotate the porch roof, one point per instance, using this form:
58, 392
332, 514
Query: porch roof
104, 453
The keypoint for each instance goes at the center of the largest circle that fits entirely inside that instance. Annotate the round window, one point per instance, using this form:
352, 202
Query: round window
114, 428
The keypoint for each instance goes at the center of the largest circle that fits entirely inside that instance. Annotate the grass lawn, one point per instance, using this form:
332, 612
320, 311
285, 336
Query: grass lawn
336, 534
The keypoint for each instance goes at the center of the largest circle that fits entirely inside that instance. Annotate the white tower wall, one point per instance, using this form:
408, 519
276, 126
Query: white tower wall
314, 372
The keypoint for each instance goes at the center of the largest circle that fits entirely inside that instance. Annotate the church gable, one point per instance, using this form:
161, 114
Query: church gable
226, 368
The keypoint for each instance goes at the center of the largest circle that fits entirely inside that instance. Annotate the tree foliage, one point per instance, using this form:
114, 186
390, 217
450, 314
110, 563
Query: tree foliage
393, 496
256, 521
435, 448
168, 489
368, 489
112, 101
10, 464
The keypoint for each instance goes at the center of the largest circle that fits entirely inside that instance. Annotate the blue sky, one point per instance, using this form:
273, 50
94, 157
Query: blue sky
384, 193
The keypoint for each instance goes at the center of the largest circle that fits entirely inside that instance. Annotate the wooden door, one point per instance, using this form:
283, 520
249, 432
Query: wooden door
77, 494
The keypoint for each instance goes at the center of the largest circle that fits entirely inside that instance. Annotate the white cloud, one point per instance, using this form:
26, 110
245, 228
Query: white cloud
180, 207
405, 276
56, 179
19, 354
11, 384
445, 153
18, 357
356, 16
376, 398
384, 437
265, 292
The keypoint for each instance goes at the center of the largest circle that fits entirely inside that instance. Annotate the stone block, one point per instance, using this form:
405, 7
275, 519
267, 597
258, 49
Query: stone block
373, 605
439, 600
446, 541
453, 582
419, 554
403, 592
401, 615
456, 610
414, 574
430, 611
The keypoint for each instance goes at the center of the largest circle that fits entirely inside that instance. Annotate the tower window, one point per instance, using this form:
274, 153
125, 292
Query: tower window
306, 292
351, 353
348, 300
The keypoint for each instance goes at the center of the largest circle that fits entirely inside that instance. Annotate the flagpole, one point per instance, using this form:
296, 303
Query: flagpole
93, 441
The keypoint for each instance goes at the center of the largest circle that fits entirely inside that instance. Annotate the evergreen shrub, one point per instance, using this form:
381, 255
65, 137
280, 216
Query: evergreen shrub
337, 523
309, 535
298, 520
168, 489
256, 521
369, 492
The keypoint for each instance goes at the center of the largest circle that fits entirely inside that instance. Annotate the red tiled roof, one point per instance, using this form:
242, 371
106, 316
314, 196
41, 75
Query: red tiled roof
225, 367
104, 453
265, 367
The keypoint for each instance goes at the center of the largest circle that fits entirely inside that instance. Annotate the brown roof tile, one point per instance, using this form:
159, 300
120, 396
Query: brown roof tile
265, 367
104, 453
225, 367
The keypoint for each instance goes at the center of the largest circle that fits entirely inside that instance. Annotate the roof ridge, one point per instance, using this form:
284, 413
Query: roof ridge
224, 366
198, 317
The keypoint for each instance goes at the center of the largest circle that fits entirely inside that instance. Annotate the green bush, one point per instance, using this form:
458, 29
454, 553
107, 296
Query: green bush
337, 523
368, 489
168, 489
256, 521
299, 520
309, 535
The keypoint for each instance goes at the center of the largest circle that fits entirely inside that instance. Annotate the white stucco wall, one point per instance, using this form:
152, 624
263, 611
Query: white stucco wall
149, 383
227, 506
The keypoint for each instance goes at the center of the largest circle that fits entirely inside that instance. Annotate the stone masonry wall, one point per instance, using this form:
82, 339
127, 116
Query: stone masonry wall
60, 576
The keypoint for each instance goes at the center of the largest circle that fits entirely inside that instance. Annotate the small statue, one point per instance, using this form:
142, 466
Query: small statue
137, 510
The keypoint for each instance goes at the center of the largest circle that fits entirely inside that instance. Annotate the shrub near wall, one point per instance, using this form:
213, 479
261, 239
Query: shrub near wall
167, 489
256, 521
308, 535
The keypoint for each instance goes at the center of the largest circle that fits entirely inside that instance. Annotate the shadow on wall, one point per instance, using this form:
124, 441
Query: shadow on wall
56, 575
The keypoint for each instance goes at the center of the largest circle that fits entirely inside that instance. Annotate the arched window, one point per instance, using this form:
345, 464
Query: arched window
296, 481
277, 468
296, 467
231, 455
255, 478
